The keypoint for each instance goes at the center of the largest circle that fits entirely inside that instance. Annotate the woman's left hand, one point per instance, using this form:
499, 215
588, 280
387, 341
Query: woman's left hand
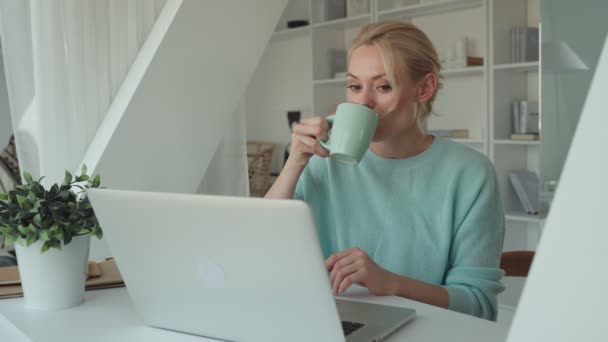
354, 266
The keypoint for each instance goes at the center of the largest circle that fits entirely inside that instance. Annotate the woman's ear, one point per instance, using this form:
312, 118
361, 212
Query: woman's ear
427, 87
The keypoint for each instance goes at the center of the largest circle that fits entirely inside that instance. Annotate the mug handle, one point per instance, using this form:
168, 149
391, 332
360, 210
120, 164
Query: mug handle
325, 144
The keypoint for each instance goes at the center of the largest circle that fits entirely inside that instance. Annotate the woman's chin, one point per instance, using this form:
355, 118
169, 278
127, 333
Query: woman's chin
378, 136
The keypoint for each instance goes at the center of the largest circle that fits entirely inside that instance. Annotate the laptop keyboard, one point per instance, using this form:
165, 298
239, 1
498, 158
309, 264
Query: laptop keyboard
350, 327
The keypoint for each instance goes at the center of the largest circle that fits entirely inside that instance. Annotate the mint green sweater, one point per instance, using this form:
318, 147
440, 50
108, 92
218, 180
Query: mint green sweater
436, 217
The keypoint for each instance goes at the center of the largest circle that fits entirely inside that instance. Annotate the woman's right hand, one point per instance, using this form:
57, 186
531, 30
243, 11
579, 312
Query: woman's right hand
304, 143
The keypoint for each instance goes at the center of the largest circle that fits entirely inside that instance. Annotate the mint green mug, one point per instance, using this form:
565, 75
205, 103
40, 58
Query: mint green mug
353, 127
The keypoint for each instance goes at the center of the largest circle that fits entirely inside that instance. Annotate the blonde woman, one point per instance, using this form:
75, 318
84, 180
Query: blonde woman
419, 217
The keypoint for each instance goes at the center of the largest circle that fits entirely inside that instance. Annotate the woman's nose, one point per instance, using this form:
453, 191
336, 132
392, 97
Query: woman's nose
366, 99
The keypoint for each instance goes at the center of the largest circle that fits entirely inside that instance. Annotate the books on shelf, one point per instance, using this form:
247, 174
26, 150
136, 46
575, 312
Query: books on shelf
524, 117
524, 44
450, 133
524, 136
526, 186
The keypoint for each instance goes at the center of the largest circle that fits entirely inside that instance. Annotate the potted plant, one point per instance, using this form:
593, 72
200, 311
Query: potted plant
51, 231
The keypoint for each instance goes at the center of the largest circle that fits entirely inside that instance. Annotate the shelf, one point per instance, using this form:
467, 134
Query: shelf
330, 81
467, 141
290, 33
522, 67
516, 142
343, 22
476, 70
435, 7
523, 217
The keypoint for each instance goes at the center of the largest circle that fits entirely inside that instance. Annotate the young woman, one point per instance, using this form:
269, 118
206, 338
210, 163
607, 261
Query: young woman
419, 217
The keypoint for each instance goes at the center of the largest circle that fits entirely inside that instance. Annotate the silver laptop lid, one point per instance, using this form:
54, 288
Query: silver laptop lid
232, 268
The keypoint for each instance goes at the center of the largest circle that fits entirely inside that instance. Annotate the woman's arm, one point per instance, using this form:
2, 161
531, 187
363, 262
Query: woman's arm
285, 185
419, 291
354, 266
304, 145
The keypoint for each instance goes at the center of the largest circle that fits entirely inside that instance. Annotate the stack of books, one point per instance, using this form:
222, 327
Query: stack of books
526, 186
525, 120
524, 44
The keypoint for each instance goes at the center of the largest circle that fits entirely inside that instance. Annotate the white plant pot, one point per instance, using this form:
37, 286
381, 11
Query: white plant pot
56, 279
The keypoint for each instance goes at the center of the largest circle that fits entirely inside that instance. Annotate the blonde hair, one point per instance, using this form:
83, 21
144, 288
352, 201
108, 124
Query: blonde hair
405, 50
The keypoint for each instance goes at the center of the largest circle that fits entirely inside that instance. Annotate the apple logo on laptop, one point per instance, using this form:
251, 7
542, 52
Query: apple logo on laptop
211, 273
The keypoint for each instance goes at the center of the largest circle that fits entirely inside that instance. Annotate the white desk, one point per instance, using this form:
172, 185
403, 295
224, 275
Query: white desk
108, 315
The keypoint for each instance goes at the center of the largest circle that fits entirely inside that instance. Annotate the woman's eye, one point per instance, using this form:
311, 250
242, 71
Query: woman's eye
354, 87
385, 88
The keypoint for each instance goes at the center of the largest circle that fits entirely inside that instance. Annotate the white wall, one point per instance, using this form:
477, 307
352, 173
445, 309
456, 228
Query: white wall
172, 112
174, 109
281, 82
565, 295
6, 128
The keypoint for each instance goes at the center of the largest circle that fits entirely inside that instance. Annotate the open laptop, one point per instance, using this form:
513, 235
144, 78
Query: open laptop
230, 268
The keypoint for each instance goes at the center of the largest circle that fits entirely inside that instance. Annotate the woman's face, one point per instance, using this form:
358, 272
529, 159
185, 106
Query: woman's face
368, 85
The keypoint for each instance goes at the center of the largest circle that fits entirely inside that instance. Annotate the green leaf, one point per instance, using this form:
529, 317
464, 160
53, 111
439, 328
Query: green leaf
32, 229
23, 230
56, 244
32, 197
44, 235
3, 196
97, 181
21, 241
31, 239
98, 232
6, 230
84, 169
28, 178
10, 239
46, 246
82, 178
37, 220
68, 178
21, 200
83, 231
53, 228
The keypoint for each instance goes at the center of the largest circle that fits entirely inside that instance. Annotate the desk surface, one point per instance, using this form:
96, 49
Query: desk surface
108, 315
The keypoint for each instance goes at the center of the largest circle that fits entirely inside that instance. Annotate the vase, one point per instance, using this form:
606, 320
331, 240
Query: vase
55, 279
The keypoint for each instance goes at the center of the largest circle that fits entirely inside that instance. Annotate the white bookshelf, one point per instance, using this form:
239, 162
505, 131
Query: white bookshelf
523, 217
488, 89
345, 22
387, 11
524, 67
516, 142
290, 33
475, 70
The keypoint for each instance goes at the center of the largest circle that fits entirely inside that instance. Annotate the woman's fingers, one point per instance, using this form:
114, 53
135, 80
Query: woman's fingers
314, 146
316, 130
341, 263
341, 274
348, 281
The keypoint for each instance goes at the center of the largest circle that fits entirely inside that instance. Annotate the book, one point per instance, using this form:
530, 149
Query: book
526, 186
524, 136
515, 127
524, 44
523, 117
474, 61
450, 133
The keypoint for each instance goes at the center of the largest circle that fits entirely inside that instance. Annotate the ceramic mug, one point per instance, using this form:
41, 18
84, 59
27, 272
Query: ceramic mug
353, 127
